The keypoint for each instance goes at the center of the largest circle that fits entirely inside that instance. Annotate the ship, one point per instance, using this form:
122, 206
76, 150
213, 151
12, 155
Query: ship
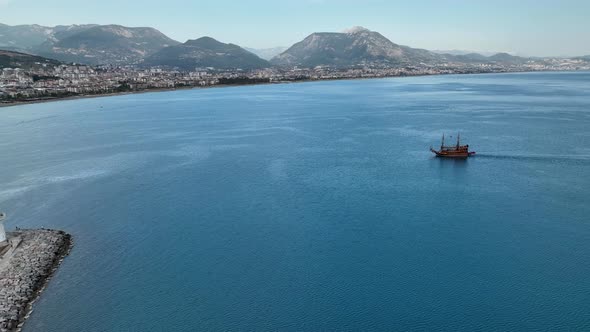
453, 151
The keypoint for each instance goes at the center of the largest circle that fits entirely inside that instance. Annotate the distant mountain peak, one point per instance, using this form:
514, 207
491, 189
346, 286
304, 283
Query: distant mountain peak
503, 56
203, 41
356, 46
356, 29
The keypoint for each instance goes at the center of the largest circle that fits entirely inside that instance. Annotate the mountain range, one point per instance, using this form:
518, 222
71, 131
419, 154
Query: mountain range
88, 44
118, 45
29, 38
360, 46
464, 52
106, 44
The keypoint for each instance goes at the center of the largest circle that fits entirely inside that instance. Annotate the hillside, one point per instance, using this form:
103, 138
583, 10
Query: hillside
352, 47
11, 59
107, 44
29, 37
205, 52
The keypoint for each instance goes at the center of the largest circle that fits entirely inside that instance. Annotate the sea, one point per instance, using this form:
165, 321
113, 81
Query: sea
311, 206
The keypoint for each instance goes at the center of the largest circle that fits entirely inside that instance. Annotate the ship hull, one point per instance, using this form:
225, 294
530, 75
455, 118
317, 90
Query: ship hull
453, 154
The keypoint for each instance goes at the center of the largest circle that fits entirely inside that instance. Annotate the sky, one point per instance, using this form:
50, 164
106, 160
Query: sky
522, 27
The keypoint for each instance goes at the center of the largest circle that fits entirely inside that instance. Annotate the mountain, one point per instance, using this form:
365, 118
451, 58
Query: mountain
472, 57
30, 37
467, 58
463, 52
507, 58
105, 44
205, 52
22, 37
87, 43
360, 46
351, 47
60, 32
266, 53
10, 59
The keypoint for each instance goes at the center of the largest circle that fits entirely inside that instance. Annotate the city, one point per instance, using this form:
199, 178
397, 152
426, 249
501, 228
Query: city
45, 82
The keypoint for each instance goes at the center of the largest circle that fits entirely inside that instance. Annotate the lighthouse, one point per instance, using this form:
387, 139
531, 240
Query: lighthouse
2, 231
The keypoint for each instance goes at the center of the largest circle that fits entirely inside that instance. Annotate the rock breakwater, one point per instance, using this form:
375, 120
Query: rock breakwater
28, 261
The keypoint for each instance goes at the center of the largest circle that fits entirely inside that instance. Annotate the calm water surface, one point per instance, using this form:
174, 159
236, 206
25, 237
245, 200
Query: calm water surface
313, 206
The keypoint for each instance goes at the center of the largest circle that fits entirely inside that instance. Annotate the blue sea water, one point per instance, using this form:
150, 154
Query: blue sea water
312, 206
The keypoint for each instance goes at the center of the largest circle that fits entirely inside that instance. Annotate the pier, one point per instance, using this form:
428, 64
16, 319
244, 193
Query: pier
27, 260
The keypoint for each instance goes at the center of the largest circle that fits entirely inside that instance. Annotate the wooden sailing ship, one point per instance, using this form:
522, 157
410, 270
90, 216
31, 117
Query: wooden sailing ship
453, 151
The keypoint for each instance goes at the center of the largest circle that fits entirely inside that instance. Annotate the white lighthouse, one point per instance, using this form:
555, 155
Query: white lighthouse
2, 231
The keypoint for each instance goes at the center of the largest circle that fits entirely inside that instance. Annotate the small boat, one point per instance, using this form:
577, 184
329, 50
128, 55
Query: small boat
453, 151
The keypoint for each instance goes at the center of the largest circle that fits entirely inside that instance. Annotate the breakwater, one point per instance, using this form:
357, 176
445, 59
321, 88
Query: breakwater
27, 262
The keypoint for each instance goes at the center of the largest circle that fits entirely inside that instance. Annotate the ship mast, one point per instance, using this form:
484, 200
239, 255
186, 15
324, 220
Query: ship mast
458, 142
442, 144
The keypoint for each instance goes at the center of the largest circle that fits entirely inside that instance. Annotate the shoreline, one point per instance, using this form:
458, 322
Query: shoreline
113, 94
27, 268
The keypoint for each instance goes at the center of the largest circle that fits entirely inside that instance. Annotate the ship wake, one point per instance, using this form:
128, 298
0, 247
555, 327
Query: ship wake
536, 157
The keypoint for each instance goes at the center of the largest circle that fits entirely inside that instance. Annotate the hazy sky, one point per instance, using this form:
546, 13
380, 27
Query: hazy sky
527, 27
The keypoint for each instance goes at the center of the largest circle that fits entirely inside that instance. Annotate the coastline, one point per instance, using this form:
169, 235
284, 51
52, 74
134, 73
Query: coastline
25, 270
112, 94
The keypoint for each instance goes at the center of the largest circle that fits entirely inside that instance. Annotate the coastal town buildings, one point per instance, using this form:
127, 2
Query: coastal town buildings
45, 82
